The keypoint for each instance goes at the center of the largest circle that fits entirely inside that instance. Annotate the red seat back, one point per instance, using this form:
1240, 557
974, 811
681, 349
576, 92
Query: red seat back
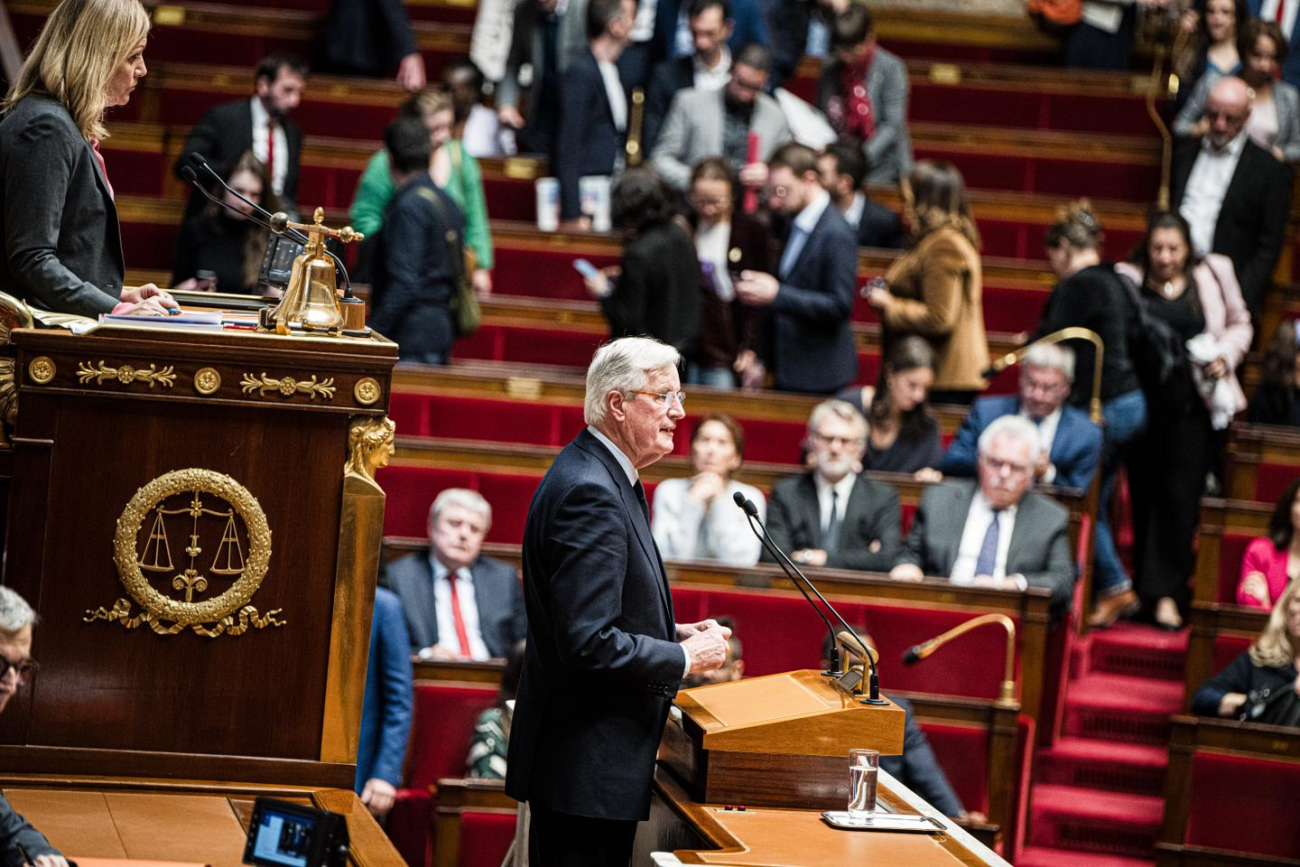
484, 838
1243, 804
441, 726
963, 753
1231, 550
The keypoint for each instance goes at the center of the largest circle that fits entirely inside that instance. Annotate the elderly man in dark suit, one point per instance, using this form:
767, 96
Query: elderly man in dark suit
1233, 193
20, 843
809, 340
832, 516
261, 124
604, 657
1069, 440
997, 533
593, 108
459, 604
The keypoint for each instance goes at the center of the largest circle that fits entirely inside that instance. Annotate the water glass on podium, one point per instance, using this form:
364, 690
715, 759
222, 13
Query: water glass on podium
864, 769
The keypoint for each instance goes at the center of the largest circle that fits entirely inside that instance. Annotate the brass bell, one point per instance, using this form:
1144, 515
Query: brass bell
311, 300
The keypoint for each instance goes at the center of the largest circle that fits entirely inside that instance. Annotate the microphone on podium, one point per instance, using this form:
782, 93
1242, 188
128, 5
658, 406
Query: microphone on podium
796, 577
918, 652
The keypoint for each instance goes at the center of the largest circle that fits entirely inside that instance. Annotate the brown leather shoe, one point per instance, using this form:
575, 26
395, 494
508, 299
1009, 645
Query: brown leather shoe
1112, 608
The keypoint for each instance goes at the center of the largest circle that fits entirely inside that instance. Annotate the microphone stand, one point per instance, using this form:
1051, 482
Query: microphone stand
918, 652
791, 571
273, 222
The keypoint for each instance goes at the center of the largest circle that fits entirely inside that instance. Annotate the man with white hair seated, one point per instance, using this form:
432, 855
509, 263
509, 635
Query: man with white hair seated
20, 843
459, 604
1069, 441
997, 533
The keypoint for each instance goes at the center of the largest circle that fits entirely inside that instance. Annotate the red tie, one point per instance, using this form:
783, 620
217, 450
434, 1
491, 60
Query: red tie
270, 151
1281, 12
462, 634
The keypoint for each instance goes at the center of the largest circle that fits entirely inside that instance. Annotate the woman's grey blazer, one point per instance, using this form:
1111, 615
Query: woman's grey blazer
62, 243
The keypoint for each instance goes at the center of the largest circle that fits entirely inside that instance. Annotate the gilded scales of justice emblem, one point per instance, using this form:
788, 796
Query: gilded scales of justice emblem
202, 508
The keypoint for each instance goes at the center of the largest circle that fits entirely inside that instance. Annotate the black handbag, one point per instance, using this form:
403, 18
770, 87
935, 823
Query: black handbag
1272, 705
1158, 352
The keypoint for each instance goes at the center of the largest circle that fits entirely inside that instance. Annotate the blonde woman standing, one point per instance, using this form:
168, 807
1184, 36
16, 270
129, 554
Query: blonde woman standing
62, 242
935, 290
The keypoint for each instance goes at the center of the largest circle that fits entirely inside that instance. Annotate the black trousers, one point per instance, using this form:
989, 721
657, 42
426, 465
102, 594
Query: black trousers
564, 840
1166, 471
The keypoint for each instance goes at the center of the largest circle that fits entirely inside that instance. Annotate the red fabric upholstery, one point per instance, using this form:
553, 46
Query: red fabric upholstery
529, 345
539, 273
1243, 804
484, 838
963, 753
408, 826
1227, 648
1231, 550
1271, 481
1026, 109
411, 491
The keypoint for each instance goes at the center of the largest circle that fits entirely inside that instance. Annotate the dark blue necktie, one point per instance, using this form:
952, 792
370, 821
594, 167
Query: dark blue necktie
987, 560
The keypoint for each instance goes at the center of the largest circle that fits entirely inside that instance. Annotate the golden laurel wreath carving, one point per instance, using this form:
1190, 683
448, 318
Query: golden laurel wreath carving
125, 374
228, 612
288, 385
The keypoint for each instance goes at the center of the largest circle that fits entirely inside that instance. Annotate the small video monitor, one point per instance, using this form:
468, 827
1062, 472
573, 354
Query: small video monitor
282, 834
277, 265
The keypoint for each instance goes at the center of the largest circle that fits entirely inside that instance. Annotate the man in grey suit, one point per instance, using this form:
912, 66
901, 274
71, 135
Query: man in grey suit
996, 534
458, 604
833, 516
705, 123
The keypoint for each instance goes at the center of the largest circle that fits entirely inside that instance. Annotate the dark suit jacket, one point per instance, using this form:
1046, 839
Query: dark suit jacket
880, 227
918, 768
747, 17
790, 20
365, 37
415, 270
386, 711
658, 291
809, 344
871, 515
62, 244
1076, 448
1252, 223
668, 77
1040, 542
497, 596
588, 142
223, 134
601, 665
16, 832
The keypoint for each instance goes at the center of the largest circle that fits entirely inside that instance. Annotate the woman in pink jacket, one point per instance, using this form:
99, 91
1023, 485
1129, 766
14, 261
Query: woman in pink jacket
1272, 561
1169, 463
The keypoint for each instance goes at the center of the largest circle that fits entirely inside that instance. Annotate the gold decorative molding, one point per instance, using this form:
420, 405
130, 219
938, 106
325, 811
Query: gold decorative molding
41, 369
207, 381
367, 391
287, 386
125, 374
206, 498
370, 445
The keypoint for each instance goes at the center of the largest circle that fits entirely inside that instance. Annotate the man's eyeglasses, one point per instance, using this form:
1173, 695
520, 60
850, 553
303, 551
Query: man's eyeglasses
666, 397
1011, 467
23, 668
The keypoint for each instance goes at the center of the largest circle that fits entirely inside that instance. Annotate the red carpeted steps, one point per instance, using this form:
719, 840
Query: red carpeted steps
1097, 796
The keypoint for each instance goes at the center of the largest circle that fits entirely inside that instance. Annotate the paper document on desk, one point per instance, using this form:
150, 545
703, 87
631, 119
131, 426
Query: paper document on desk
184, 320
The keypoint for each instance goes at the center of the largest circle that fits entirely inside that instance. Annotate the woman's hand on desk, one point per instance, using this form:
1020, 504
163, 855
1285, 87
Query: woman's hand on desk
148, 300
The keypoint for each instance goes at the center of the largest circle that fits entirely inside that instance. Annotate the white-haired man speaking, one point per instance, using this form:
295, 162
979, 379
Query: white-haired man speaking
20, 843
604, 656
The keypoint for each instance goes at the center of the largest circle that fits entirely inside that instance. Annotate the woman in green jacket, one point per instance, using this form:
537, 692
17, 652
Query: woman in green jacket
453, 169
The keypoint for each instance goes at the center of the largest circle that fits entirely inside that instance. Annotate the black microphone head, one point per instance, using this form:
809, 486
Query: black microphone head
739, 499
188, 175
197, 159
280, 222
912, 655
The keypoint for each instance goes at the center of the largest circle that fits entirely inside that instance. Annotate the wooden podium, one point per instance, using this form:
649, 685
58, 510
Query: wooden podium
194, 517
775, 740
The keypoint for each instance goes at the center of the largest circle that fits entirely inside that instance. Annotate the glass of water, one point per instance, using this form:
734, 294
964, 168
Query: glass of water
864, 768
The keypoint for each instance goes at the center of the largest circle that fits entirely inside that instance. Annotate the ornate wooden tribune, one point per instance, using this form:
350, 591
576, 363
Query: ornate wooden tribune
193, 515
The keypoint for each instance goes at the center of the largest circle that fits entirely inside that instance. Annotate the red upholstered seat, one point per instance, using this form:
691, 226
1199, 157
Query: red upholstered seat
525, 345
442, 722
1231, 550
1271, 481
1227, 648
963, 753
411, 491
484, 838
1244, 805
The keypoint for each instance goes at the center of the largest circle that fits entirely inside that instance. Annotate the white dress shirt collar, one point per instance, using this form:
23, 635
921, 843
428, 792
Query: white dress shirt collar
810, 215
623, 460
972, 539
853, 216
843, 488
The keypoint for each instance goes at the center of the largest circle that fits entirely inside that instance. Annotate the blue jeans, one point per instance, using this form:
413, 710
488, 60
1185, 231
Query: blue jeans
1126, 418
721, 378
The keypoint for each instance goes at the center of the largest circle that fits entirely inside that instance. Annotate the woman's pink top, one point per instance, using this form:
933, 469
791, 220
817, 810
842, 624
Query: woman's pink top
1262, 557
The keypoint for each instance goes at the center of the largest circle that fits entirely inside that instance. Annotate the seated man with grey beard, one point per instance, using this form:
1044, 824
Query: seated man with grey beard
996, 532
832, 516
